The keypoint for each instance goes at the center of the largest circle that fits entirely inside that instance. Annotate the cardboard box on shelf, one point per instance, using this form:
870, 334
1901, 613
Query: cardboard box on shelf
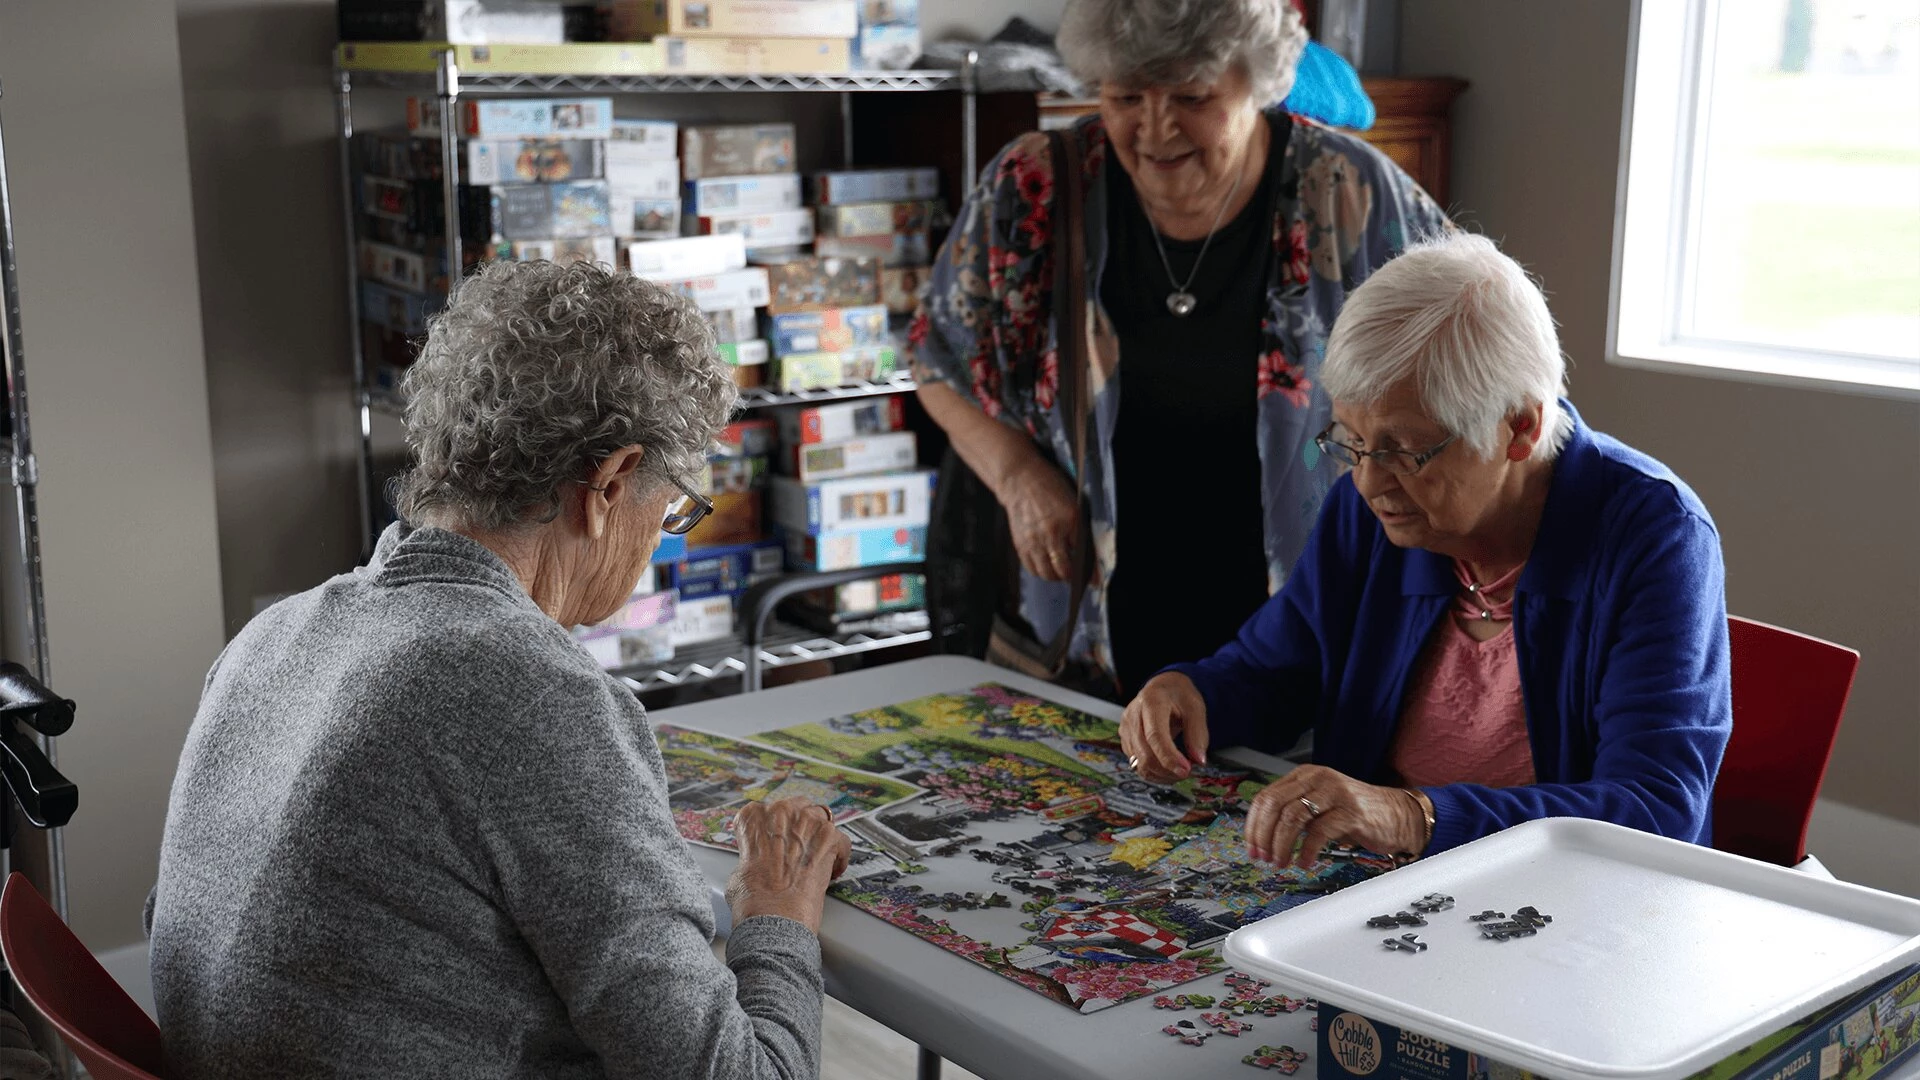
569, 58
646, 178
739, 517
726, 292
737, 195
686, 257
710, 151
401, 269
517, 118
853, 457
527, 161
747, 438
900, 288
849, 550
742, 18
900, 249
643, 140
727, 571
818, 371
893, 592
590, 249
744, 354
829, 330
856, 503
803, 425
775, 231
397, 309
755, 55
810, 283
636, 218
749, 376
671, 549
833, 188
879, 218
697, 622
733, 325
889, 37
576, 208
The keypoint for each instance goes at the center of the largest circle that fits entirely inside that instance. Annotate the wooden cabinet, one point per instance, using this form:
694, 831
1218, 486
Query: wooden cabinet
1412, 125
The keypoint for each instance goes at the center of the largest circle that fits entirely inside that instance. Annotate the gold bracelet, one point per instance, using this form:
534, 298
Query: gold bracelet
1426, 812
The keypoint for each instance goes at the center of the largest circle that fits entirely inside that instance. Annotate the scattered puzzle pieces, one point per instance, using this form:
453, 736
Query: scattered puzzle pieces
1432, 902
1225, 1024
1283, 1059
1245, 985
1313, 1023
1187, 1032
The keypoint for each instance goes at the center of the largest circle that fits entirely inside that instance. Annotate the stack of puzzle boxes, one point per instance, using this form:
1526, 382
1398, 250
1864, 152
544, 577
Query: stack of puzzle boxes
809, 36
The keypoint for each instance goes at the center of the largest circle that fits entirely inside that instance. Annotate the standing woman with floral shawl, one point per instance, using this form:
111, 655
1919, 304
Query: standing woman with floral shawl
1221, 236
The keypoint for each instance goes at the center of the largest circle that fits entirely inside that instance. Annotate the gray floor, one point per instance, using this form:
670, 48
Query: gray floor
857, 1048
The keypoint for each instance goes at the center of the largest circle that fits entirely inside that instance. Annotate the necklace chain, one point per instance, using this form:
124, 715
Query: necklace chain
1180, 288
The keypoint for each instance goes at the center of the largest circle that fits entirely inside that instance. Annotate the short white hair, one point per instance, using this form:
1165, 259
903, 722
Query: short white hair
1464, 321
1171, 42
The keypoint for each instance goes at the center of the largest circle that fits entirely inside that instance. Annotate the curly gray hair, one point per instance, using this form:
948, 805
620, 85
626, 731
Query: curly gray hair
1170, 42
535, 372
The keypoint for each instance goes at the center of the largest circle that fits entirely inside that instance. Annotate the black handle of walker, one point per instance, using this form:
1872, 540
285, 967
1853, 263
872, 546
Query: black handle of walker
760, 601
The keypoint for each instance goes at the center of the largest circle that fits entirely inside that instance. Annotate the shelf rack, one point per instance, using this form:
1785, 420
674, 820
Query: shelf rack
447, 84
784, 644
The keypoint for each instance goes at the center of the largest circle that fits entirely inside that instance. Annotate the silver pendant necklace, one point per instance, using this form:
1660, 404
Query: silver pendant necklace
1180, 301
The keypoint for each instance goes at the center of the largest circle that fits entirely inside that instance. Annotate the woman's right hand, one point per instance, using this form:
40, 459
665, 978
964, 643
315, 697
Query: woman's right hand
790, 851
1042, 514
1167, 706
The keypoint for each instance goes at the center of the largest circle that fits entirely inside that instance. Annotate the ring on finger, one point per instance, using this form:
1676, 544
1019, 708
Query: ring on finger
827, 810
1313, 808
1133, 763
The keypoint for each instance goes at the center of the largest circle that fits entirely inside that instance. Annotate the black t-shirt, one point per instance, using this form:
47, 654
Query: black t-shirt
1189, 524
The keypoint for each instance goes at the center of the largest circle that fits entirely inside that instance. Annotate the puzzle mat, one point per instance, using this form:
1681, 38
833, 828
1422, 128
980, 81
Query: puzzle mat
710, 777
1038, 854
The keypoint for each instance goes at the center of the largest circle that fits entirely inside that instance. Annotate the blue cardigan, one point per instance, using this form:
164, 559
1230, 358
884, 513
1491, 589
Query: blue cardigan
1620, 627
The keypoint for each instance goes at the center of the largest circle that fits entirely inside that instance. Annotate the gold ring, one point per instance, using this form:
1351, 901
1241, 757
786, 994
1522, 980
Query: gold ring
1312, 809
825, 810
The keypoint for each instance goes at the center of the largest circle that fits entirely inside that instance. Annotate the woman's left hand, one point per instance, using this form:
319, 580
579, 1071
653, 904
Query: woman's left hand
1317, 806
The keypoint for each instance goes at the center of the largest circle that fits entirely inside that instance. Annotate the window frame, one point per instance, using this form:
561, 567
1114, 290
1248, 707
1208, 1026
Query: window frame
1669, 59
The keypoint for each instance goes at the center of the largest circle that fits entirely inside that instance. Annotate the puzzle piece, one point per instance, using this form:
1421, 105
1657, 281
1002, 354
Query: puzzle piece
1225, 1024
1406, 942
1488, 915
1187, 1032
1165, 1002
1388, 922
1245, 985
1433, 902
1195, 1001
1313, 1023
1282, 1059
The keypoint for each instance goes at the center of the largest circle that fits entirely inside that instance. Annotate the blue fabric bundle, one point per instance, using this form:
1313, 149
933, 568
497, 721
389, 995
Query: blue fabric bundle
1327, 89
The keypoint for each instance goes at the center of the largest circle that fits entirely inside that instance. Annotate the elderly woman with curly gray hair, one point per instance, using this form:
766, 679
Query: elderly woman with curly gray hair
1157, 499
416, 831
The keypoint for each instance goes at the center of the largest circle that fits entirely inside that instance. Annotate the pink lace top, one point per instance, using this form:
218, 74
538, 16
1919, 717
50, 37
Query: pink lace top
1465, 720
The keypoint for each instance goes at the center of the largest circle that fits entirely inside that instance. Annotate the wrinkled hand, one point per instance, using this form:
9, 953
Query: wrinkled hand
789, 852
1042, 514
1380, 819
1167, 706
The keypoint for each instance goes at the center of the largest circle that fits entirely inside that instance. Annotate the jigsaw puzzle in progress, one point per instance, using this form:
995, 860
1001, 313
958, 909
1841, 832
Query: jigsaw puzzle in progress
710, 777
1038, 854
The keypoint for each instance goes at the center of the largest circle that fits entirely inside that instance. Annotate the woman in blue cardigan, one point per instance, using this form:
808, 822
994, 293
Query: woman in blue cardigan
1501, 614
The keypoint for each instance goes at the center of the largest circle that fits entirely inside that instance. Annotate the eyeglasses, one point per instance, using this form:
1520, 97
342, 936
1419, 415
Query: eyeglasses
1397, 462
686, 511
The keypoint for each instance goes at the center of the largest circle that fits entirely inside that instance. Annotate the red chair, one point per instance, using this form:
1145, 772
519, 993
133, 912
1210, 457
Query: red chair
1789, 691
103, 1027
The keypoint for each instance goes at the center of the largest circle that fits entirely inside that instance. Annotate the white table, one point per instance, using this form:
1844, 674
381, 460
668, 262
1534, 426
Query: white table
961, 1011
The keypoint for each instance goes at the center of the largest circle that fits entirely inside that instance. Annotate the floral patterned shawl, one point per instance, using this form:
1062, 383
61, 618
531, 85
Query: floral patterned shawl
985, 327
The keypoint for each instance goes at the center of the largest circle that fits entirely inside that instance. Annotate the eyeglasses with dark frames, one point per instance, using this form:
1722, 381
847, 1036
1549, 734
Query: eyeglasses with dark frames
686, 511
683, 513
1397, 462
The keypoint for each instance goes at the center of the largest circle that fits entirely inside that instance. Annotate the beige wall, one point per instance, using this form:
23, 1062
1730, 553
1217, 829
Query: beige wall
96, 152
1814, 492
261, 139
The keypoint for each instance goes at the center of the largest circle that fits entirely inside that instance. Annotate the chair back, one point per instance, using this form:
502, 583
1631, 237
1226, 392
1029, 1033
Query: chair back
106, 1030
1789, 691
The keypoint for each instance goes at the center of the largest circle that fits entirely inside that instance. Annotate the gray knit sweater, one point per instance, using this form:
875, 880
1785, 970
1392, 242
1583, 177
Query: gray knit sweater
417, 832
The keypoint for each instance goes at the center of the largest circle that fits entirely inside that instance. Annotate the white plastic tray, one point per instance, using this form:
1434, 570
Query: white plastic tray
1662, 957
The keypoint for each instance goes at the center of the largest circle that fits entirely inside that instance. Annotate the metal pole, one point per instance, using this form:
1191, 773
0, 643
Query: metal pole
846, 129
25, 469
969, 123
447, 83
929, 1065
362, 391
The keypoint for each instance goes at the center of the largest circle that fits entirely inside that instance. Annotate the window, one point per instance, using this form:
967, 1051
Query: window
1769, 210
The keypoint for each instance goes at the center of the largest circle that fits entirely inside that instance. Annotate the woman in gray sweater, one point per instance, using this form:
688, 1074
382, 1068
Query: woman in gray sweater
416, 831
